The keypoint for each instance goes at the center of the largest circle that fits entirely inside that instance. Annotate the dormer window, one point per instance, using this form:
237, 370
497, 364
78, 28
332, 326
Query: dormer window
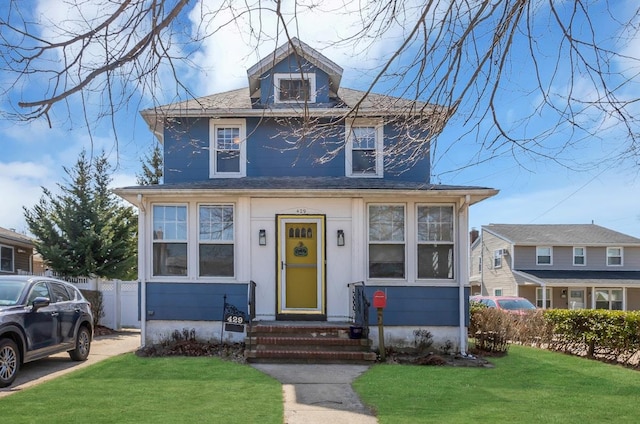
364, 148
295, 88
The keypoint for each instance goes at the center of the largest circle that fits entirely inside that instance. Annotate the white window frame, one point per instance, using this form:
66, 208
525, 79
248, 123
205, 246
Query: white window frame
497, 292
621, 256
13, 258
164, 240
311, 77
222, 241
497, 259
609, 290
549, 297
378, 126
439, 224
214, 125
538, 255
583, 256
388, 242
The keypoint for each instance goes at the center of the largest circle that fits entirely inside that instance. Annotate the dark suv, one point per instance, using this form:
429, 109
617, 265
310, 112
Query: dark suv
41, 316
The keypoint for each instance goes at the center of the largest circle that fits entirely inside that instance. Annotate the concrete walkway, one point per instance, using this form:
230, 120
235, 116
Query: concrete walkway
320, 394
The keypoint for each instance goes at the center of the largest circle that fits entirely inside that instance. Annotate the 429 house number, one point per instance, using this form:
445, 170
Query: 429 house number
301, 211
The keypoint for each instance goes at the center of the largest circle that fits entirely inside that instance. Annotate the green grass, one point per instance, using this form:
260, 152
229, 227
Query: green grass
129, 389
526, 386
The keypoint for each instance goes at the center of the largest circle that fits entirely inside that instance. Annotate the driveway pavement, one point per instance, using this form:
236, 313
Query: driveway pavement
102, 348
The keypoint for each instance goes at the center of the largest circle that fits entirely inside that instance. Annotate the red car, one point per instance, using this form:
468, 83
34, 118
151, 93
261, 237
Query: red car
512, 304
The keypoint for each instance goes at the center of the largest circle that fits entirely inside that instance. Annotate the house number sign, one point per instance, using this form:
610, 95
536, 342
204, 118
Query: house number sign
300, 250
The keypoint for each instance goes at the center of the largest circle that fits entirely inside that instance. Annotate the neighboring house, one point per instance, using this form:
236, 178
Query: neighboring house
569, 266
16, 252
246, 198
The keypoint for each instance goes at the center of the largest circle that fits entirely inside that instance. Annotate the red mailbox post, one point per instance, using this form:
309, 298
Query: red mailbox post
380, 302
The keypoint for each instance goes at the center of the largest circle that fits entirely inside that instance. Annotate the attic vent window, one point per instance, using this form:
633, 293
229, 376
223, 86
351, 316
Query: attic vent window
295, 88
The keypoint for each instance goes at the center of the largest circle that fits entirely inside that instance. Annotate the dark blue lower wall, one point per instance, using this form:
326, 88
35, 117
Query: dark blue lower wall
193, 302
420, 306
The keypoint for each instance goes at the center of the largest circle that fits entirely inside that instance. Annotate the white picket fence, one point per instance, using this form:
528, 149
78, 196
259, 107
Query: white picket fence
119, 298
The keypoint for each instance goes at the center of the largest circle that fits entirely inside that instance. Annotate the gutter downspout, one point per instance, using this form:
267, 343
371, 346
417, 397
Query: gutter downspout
142, 237
463, 271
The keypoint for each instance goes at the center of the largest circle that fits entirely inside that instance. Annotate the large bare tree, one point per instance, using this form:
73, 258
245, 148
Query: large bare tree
580, 60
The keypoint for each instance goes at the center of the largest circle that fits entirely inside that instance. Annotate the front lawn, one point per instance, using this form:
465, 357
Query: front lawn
129, 389
526, 386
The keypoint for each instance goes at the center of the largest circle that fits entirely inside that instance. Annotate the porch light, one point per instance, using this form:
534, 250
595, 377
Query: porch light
262, 237
340, 238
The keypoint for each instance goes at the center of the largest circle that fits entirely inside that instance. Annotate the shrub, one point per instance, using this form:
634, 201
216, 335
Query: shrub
97, 305
492, 329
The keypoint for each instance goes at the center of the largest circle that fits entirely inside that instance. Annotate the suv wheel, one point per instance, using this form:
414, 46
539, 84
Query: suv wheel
9, 362
83, 345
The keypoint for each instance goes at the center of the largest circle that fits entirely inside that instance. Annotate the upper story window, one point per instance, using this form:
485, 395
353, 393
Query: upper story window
480, 264
386, 241
579, 256
169, 240
497, 259
614, 256
228, 157
544, 255
6, 259
216, 241
295, 88
435, 242
364, 148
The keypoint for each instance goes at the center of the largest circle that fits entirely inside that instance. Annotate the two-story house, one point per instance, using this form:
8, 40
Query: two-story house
302, 187
16, 252
567, 266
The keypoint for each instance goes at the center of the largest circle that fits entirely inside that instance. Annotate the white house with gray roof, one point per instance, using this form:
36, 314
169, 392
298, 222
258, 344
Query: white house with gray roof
567, 266
283, 196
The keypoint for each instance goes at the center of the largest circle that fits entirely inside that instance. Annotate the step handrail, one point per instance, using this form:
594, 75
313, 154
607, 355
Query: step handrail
360, 306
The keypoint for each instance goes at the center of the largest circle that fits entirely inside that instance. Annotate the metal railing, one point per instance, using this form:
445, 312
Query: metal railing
360, 306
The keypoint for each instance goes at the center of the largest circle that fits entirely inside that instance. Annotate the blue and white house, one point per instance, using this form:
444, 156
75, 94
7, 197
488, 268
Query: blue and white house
302, 187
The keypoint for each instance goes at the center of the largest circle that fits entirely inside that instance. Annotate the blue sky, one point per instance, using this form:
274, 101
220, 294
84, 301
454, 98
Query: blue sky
532, 190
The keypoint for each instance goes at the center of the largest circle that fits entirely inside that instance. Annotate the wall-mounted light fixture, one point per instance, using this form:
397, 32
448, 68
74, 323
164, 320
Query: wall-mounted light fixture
21, 250
340, 238
262, 237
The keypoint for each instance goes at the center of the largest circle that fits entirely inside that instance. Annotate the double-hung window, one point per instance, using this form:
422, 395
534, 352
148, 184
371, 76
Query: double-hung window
216, 241
544, 256
386, 241
497, 259
614, 256
295, 88
435, 242
579, 256
6, 259
364, 149
169, 240
228, 147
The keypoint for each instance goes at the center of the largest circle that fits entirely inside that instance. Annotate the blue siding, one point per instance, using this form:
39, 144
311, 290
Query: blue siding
270, 153
291, 65
419, 306
186, 150
193, 302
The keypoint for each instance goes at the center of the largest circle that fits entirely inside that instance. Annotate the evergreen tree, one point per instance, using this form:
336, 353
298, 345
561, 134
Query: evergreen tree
151, 168
85, 231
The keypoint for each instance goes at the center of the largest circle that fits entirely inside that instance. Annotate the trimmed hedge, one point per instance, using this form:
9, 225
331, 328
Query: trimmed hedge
612, 336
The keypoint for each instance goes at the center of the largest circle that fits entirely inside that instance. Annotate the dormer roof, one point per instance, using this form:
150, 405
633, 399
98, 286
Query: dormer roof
302, 50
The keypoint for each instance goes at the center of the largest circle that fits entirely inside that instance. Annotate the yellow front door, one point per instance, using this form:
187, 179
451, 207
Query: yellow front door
301, 269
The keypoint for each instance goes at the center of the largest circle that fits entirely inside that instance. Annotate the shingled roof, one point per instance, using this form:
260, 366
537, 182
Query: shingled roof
560, 235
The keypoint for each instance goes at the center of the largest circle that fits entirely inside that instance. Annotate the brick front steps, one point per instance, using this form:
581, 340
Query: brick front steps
304, 342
